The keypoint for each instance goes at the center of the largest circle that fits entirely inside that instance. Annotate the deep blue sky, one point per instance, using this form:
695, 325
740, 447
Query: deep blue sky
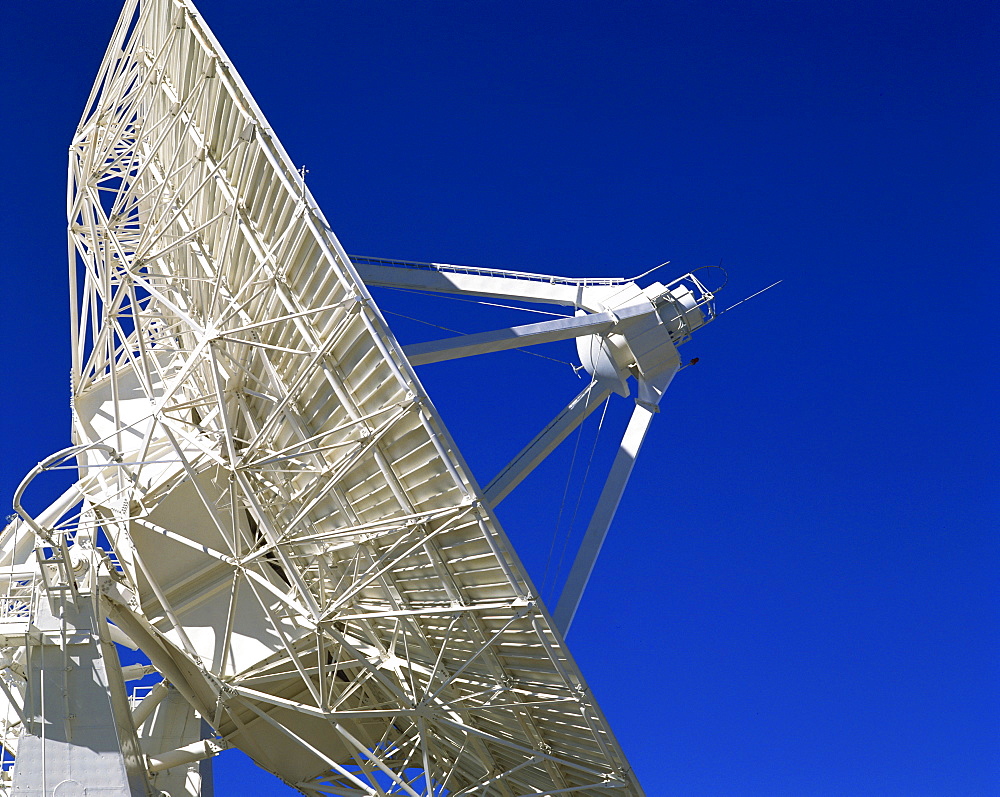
799, 595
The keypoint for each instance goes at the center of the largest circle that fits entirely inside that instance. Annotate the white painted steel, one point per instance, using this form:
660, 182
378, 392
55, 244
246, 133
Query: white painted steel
174, 725
546, 441
268, 504
76, 735
604, 512
487, 282
299, 549
188, 754
509, 338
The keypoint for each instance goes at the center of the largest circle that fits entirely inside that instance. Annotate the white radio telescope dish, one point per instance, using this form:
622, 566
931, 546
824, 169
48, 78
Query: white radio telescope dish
267, 503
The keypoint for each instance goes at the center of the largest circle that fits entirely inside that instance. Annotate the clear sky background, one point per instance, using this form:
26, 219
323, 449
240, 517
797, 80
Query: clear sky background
799, 594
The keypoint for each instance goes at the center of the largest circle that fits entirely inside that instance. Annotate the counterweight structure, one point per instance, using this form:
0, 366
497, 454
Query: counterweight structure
267, 503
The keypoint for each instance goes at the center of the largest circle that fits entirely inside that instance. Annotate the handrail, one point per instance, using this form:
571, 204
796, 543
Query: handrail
45, 465
490, 272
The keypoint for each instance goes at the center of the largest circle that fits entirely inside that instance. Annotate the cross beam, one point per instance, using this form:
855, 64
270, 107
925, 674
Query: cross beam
509, 338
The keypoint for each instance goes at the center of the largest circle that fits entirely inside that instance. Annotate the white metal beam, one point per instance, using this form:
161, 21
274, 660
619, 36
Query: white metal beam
291, 516
576, 412
488, 283
607, 504
510, 338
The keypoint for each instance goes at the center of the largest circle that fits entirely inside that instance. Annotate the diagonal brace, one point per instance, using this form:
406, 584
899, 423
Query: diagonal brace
607, 504
509, 338
558, 429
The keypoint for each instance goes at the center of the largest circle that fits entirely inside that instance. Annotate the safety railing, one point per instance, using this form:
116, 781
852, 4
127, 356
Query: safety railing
487, 272
691, 302
17, 595
137, 694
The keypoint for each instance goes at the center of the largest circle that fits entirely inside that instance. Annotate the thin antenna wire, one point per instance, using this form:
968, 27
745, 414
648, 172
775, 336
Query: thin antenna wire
579, 498
647, 273
749, 297
449, 329
562, 505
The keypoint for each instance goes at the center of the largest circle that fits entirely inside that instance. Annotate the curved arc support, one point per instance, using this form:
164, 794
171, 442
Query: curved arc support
47, 464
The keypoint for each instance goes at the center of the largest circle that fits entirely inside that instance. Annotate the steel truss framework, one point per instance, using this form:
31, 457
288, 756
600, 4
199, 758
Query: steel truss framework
268, 504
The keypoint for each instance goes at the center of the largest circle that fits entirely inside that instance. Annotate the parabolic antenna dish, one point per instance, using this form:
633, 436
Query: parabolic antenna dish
301, 550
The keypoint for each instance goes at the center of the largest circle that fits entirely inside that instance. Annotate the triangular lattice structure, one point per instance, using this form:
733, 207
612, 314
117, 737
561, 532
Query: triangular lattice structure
303, 553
